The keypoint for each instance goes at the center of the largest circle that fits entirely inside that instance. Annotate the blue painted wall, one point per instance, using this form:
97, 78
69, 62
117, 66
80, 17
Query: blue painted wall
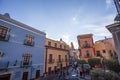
14, 48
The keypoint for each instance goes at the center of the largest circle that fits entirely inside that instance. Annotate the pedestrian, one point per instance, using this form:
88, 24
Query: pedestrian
87, 70
81, 71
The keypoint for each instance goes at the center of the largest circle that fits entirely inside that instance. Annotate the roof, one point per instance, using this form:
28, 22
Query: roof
85, 35
56, 41
22, 25
113, 27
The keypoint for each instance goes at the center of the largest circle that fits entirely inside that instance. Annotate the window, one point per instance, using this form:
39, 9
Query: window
4, 33
49, 43
86, 44
49, 69
25, 76
50, 58
26, 58
59, 58
55, 44
104, 51
87, 54
98, 53
64, 47
66, 58
29, 40
60, 46
37, 73
55, 69
110, 52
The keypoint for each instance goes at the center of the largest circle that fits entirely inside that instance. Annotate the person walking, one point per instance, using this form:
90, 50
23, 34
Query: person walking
87, 70
81, 71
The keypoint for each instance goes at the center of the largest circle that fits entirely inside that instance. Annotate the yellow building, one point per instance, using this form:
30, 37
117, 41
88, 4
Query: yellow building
105, 49
56, 56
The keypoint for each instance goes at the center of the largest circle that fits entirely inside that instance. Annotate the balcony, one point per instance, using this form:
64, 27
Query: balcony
50, 61
9, 64
26, 64
59, 60
87, 56
4, 38
86, 46
4, 65
29, 43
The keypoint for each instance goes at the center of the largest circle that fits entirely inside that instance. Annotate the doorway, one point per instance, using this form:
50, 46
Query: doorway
25, 76
5, 77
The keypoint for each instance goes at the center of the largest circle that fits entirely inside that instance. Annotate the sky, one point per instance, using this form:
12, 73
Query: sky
64, 19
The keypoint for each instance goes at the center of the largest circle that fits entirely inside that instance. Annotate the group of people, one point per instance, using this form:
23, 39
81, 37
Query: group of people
62, 75
83, 70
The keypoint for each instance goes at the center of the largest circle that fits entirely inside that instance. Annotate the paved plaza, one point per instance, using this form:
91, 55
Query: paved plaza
71, 74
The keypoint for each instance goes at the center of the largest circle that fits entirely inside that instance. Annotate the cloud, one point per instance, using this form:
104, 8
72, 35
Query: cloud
108, 3
97, 26
66, 38
76, 16
75, 44
75, 20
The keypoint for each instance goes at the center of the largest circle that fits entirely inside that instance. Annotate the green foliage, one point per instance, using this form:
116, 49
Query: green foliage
81, 62
113, 65
98, 74
94, 61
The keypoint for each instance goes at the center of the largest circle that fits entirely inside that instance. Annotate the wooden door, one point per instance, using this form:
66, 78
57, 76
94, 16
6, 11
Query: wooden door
37, 73
25, 76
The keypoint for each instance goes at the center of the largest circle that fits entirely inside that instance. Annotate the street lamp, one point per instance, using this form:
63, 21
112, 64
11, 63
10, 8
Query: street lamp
103, 63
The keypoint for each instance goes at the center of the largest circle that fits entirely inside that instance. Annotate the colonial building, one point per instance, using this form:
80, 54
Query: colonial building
114, 28
86, 46
104, 48
56, 56
21, 50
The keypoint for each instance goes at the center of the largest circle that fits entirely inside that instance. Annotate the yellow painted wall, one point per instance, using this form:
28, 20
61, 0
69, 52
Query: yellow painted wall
100, 46
55, 51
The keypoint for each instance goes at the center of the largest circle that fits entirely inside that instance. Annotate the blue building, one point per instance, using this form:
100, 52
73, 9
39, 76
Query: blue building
21, 50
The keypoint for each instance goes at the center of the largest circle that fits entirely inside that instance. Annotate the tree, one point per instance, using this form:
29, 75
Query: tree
94, 61
98, 74
81, 62
113, 65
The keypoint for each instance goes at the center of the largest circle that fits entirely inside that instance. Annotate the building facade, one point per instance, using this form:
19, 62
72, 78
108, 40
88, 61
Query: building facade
115, 30
104, 49
21, 50
56, 56
86, 46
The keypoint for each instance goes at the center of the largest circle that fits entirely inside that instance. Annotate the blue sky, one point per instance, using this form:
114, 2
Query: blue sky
63, 18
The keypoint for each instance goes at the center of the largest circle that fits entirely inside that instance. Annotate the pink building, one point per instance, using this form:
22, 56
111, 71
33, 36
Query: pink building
86, 46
